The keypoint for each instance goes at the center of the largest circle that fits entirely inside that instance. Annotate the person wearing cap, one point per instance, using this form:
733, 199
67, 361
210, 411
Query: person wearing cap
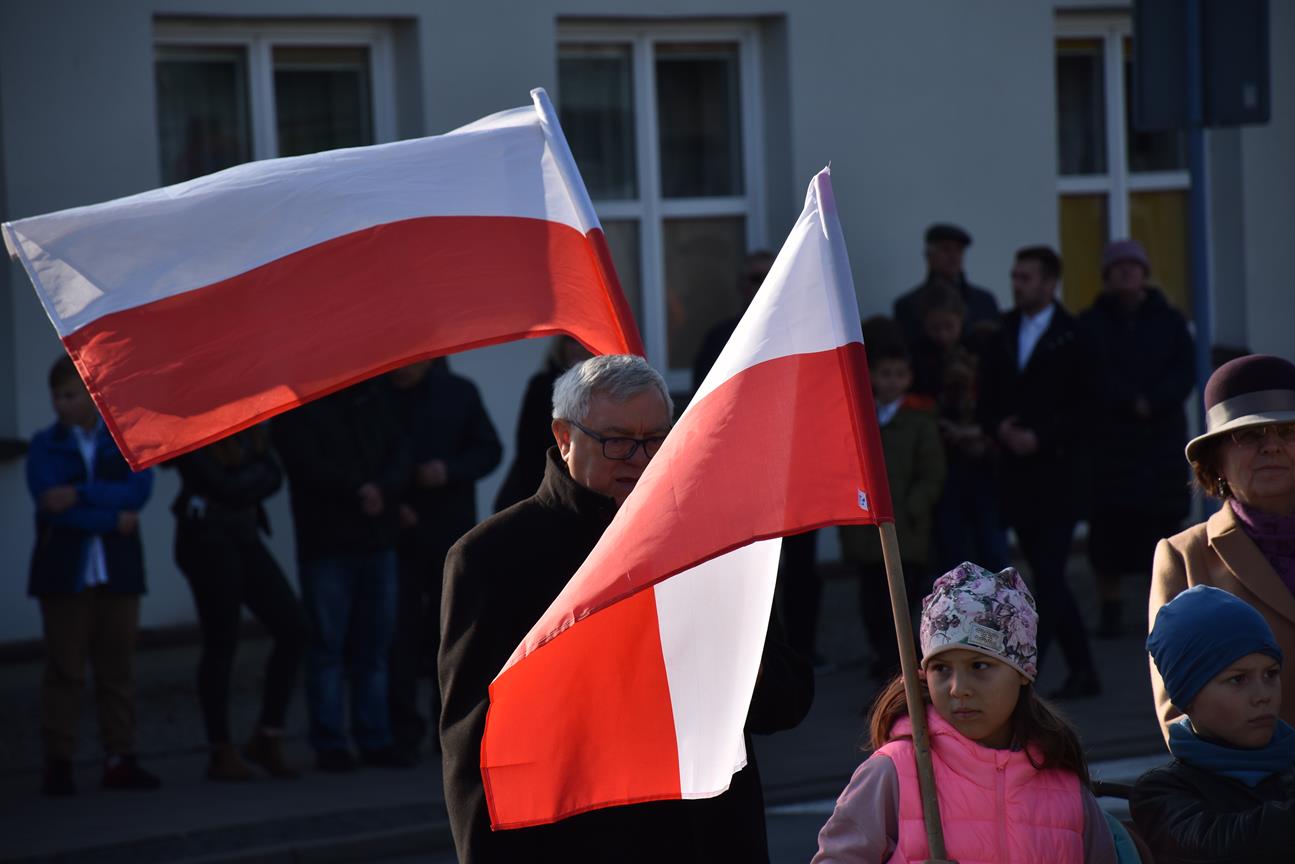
946, 246
1246, 459
1229, 794
1144, 371
1001, 756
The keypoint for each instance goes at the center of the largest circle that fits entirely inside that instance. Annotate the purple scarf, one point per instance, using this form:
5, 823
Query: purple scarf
1274, 534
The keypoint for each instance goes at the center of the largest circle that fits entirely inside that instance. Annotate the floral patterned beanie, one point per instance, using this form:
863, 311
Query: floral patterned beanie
992, 613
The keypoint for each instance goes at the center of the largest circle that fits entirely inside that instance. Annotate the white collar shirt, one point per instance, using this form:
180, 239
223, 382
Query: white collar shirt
887, 412
1032, 329
96, 565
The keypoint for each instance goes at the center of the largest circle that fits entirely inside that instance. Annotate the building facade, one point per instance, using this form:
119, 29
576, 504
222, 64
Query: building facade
697, 129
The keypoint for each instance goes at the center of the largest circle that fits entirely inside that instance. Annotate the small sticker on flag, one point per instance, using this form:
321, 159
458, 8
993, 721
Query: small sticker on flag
863, 500
985, 637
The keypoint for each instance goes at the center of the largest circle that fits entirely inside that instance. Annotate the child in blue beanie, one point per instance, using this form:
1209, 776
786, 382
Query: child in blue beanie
1229, 794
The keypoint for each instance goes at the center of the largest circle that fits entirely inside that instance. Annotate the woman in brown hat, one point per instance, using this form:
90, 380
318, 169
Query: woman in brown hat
1246, 459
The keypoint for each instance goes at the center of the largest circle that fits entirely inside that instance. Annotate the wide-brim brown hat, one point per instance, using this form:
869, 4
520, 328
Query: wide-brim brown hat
1255, 390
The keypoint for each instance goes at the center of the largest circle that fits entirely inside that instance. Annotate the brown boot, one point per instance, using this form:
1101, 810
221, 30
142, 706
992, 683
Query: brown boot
225, 765
266, 751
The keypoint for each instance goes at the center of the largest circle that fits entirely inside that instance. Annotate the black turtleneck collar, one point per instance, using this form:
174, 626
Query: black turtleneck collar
560, 491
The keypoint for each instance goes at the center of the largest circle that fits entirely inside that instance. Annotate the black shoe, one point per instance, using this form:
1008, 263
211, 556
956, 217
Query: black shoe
58, 782
335, 761
389, 757
1077, 687
123, 772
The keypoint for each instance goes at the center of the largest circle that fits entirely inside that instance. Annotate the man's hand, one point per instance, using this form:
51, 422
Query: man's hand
432, 474
371, 503
408, 518
1017, 439
127, 522
58, 499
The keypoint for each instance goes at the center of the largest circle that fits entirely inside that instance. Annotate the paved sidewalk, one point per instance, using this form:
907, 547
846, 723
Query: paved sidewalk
375, 813
372, 813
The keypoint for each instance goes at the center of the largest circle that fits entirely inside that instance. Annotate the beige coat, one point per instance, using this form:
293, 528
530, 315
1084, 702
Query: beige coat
1218, 553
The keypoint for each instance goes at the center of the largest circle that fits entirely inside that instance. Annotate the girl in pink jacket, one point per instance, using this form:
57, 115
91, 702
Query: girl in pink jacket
1011, 776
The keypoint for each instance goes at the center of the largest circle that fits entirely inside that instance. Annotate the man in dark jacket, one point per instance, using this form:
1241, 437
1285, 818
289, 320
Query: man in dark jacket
347, 463
1035, 399
87, 571
1146, 369
497, 587
453, 445
946, 246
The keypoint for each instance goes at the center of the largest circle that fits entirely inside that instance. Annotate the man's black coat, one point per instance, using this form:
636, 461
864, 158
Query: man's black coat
499, 579
330, 448
1053, 397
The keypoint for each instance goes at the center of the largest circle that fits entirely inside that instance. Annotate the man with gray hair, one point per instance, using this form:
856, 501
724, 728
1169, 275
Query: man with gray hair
610, 416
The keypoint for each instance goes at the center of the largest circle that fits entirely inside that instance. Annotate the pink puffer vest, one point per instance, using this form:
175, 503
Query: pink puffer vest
995, 806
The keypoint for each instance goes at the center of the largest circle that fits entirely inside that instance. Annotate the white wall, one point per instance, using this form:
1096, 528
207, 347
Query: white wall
1268, 164
932, 111
929, 112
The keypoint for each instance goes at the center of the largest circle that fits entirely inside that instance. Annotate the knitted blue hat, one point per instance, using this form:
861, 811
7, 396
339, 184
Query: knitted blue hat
1198, 633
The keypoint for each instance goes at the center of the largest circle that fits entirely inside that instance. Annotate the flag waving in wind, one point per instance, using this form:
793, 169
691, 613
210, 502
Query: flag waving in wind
635, 684
199, 309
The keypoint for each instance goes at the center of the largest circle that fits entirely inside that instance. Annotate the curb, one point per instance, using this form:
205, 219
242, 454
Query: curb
360, 847
330, 838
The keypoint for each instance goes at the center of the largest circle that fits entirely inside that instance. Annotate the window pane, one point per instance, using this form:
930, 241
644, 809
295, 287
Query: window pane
699, 119
321, 98
596, 96
202, 110
1081, 107
1158, 220
702, 260
1084, 234
1149, 151
623, 240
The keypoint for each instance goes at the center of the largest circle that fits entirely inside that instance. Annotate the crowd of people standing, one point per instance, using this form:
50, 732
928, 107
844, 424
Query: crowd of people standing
1033, 420
382, 480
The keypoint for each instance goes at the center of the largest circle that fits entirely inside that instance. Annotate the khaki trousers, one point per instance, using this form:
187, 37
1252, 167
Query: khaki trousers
97, 627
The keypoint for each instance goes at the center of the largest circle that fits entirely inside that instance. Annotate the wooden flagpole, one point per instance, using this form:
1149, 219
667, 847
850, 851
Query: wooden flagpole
913, 694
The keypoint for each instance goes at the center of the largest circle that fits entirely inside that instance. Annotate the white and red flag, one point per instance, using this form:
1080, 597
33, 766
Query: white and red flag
635, 684
198, 309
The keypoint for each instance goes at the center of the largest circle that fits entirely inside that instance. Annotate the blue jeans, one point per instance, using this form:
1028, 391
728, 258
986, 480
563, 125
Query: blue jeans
351, 601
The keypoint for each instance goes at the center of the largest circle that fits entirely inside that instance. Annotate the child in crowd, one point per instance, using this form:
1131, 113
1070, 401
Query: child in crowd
1010, 774
1229, 794
915, 468
87, 571
967, 518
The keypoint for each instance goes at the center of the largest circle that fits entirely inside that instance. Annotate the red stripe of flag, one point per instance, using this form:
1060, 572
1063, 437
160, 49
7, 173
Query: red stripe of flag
173, 375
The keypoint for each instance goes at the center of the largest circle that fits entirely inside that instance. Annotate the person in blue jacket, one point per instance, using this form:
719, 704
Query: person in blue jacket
87, 572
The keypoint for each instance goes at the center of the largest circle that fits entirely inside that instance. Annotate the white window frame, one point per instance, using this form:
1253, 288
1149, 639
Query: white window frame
650, 208
259, 41
1118, 182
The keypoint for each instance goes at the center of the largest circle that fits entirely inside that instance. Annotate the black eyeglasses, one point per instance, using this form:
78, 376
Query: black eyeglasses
619, 448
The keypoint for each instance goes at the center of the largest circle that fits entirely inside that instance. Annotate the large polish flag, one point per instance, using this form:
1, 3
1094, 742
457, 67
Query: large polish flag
635, 684
199, 309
